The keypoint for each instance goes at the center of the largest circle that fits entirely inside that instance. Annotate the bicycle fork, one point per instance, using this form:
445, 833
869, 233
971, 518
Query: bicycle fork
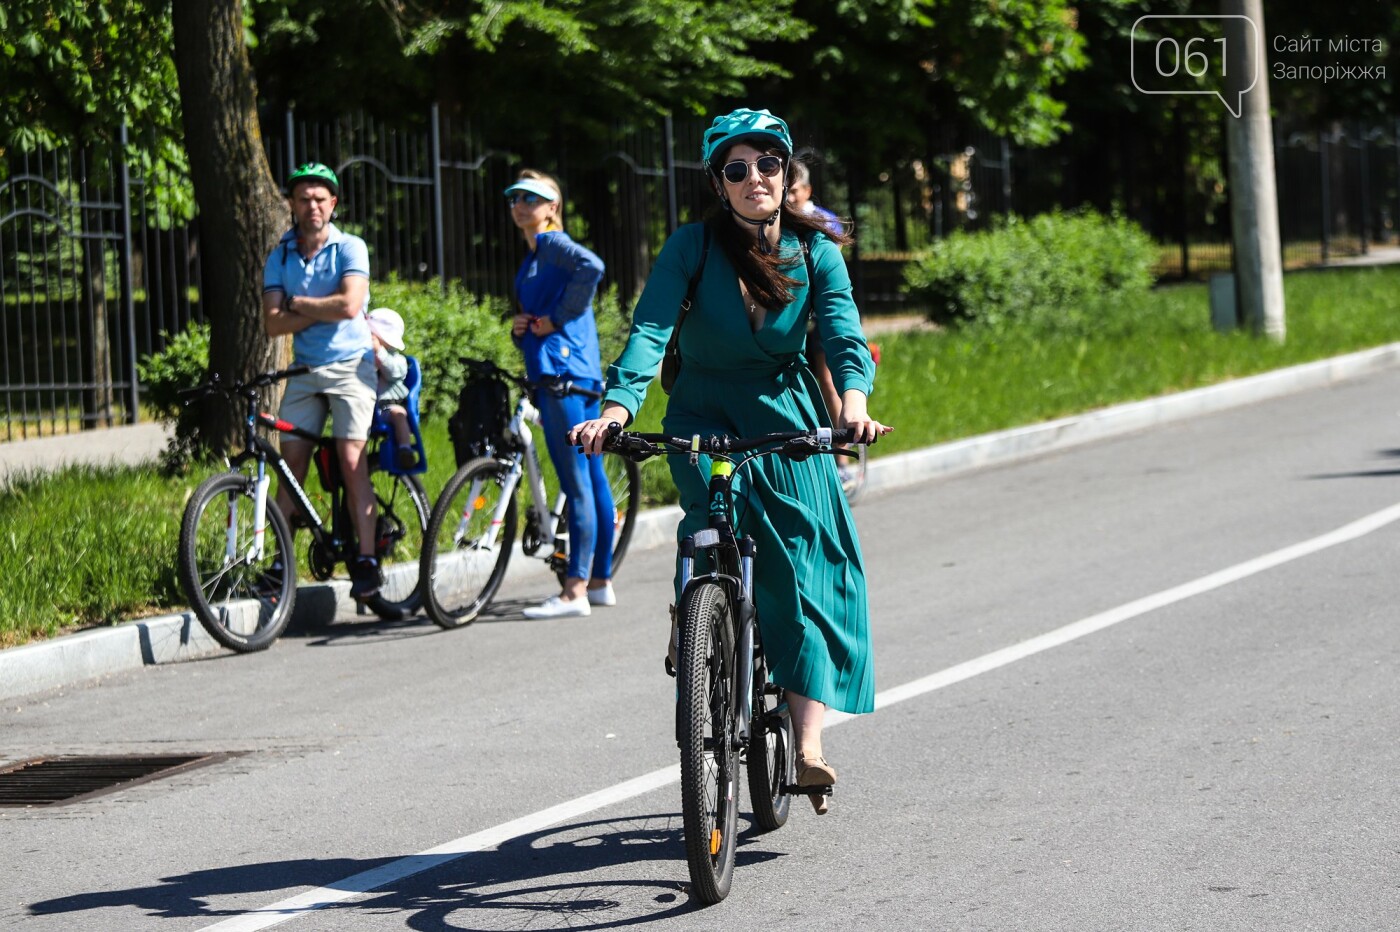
255, 547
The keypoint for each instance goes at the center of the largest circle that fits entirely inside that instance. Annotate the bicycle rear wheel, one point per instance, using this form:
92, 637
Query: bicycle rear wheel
401, 526
705, 726
770, 755
624, 478
465, 553
242, 598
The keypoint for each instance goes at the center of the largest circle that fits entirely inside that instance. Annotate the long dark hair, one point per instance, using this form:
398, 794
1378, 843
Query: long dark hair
765, 274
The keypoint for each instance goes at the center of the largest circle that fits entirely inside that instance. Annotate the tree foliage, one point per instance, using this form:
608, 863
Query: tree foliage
77, 70
523, 66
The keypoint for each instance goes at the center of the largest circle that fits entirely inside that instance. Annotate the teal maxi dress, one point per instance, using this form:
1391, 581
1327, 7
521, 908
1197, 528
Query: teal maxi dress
809, 575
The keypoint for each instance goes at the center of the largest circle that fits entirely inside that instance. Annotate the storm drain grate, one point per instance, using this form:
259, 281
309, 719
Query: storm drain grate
48, 781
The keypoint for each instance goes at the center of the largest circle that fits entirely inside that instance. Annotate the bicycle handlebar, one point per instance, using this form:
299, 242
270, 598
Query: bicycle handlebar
795, 444
215, 384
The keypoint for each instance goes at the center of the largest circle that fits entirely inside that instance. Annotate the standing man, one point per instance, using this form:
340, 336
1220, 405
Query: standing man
316, 287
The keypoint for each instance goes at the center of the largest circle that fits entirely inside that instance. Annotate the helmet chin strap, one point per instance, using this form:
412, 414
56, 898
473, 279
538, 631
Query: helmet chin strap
764, 246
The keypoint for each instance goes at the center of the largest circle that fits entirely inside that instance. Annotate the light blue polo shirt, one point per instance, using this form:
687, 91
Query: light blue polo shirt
286, 271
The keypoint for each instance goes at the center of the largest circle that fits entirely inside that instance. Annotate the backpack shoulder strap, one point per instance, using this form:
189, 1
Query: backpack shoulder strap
694, 283
811, 277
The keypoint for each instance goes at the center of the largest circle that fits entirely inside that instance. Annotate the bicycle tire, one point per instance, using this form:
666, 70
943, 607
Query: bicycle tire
459, 574
704, 725
770, 757
853, 473
625, 480
402, 526
219, 589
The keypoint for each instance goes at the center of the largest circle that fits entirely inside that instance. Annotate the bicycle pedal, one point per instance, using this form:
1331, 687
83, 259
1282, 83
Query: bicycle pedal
792, 789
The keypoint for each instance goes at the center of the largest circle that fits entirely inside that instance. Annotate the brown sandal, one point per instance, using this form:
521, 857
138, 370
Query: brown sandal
815, 771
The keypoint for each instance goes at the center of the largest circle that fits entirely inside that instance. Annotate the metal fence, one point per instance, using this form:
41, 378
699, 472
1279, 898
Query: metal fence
88, 281
91, 279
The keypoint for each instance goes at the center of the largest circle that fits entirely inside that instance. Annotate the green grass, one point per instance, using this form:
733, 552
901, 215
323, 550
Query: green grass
941, 386
94, 546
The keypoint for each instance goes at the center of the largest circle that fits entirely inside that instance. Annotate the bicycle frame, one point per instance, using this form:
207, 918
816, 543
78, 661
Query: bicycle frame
542, 522
733, 556
733, 570
261, 450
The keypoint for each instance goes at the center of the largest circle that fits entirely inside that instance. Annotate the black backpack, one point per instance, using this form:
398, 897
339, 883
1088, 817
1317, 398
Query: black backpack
482, 419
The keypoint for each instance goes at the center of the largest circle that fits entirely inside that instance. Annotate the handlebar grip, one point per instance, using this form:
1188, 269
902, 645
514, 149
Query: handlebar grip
299, 369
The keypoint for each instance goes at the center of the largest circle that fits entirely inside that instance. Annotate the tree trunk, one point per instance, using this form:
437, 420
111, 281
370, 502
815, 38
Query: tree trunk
241, 209
95, 364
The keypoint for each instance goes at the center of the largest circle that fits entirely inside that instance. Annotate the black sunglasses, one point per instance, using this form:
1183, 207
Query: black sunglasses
737, 170
528, 197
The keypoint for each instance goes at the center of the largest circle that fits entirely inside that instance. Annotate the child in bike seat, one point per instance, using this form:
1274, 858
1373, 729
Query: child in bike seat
386, 328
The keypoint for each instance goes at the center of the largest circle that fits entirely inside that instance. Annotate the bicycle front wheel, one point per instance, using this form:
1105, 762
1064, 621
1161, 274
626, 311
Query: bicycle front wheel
242, 593
624, 478
468, 544
705, 733
400, 528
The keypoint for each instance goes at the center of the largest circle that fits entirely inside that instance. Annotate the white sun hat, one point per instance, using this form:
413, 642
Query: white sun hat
388, 326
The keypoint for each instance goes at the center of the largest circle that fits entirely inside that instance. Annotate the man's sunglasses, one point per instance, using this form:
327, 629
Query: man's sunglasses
530, 199
737, 170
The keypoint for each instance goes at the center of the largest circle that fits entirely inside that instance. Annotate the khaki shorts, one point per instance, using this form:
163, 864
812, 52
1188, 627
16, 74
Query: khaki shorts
346, 389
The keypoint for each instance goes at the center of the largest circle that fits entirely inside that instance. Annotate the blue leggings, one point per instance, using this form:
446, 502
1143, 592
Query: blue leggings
591, 513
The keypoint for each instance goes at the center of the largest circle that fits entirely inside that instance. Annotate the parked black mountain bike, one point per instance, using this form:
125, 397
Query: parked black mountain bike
475, 521
241, 584
727, 711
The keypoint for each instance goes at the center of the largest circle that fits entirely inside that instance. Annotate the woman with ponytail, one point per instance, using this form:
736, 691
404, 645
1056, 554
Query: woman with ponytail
764, 268
555, 330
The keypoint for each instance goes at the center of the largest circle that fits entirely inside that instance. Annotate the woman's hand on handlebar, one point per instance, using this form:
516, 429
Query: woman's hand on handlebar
854, 416
589, 435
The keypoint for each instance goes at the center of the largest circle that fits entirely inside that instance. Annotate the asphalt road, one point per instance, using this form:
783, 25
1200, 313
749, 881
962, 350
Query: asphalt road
1220, 757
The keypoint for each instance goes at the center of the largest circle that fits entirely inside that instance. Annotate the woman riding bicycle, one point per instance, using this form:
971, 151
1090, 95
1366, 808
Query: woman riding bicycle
555, 329
742, 373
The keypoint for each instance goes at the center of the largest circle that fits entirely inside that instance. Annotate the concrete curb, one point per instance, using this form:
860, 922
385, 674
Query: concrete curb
174, 638
1019, 443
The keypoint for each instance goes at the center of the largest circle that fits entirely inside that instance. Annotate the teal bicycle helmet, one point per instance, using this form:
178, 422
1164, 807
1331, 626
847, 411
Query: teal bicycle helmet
751, 126
314, 171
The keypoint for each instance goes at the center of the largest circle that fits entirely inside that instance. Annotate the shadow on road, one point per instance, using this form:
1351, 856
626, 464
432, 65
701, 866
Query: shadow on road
537, 880
369, 629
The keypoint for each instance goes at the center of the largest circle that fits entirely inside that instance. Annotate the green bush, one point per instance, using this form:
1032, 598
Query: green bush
441, 328
1049, 272
438, 329
180, 365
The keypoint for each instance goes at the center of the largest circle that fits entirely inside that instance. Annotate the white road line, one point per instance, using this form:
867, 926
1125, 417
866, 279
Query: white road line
386, 874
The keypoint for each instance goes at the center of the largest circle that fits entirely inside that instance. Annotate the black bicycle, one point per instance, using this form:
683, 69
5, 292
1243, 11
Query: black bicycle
727, 711
474, 523
242, 586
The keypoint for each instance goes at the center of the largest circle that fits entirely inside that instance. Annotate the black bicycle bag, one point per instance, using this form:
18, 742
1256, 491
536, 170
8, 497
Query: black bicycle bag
482, 419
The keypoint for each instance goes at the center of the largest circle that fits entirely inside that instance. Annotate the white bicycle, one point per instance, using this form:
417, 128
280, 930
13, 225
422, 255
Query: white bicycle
475, 521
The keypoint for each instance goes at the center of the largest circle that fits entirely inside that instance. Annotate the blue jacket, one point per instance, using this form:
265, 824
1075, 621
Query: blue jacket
558, 280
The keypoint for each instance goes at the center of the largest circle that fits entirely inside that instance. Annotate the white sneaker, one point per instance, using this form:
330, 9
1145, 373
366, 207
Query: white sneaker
555, 607
603, 596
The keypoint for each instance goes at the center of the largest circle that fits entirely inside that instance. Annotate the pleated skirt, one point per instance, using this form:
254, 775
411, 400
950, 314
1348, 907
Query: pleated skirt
809, 576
